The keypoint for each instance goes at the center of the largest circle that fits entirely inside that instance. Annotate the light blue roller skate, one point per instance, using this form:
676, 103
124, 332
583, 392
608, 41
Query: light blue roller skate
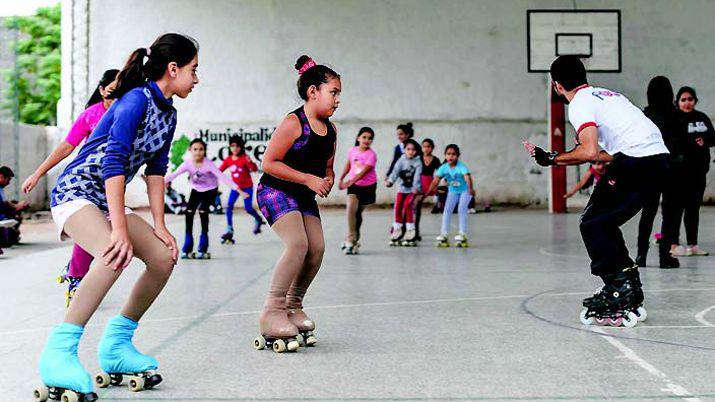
60, 370
118, 357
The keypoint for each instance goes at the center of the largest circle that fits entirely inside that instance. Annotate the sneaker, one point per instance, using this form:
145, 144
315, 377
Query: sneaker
678, 251
695, 251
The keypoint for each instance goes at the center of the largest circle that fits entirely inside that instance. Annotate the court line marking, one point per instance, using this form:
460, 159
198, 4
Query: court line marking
701, 317
630, 354
205, 316
543, 251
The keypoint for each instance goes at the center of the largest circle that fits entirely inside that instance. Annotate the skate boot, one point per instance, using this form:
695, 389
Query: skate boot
460, 240
257, 226
277, 331
442, 241
395, 237
62, 374
118, 358
356, 247
618, 303
305, 325
187, 249
409, 239
348, 248
203, 253
227, 238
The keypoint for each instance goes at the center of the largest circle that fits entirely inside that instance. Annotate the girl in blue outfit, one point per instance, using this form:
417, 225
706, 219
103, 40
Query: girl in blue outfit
88, 206
460, 191
298, 165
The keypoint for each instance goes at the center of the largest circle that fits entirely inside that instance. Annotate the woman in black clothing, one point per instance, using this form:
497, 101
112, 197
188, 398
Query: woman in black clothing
698, 137
662, 112
430, 163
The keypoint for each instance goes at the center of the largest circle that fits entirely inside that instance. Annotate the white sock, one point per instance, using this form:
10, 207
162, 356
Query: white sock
410, 226
397, 226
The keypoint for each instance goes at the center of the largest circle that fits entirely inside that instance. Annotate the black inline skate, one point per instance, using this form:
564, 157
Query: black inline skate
618, 303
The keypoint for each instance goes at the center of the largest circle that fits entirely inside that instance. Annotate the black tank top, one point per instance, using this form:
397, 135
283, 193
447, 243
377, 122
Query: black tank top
309, 154
428, 170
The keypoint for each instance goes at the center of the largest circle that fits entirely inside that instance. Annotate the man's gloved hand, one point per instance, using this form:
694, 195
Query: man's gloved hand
544, 158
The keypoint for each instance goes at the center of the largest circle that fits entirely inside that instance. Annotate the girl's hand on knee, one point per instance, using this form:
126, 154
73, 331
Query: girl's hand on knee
165, 236
119, 252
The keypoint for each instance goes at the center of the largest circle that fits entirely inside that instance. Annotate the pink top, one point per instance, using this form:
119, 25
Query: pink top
360, 160
85, 123
202, 178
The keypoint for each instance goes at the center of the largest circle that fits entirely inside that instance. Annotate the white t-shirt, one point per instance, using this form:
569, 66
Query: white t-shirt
622, 127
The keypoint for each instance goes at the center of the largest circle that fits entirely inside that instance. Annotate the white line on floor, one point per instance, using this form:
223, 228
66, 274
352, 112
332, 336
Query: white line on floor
628, 353
701, 317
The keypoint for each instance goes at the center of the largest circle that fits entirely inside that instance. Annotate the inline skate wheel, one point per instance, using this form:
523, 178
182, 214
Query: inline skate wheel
259, 343
641, 313
586, 320
293, 346
311, 340
70, 396
279, 346
136, 384
102, 380
41, 394
630, 320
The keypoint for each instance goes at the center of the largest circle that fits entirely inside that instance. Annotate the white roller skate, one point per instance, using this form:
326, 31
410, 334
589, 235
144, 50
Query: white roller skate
460, 241
409, 239
349, 248
442, 241
395, 237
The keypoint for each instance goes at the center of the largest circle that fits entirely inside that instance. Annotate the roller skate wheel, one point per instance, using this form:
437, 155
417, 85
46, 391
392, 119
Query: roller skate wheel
301, 339
279, 346
102, 380
259, 343
41, 394
586, 320
629, 320
311, 340
136, 384
293, 346
70, 396
641, 313
60, 279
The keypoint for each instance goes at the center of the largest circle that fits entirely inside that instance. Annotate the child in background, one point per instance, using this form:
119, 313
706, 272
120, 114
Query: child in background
408, 170
591, 177
361, 185
98, 103
404, 132
460, 192
430, 163
203, 177
240, 165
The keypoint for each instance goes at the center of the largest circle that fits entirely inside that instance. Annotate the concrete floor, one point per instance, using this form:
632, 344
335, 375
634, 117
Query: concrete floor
498, 321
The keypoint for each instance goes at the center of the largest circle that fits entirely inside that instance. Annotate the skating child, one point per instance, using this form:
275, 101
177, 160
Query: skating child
460, 192
203, 177
136, 131
240, 165
97, 105
591, 177
361, 185
609, 128
430, 164
298, 165
404, 132
408, 170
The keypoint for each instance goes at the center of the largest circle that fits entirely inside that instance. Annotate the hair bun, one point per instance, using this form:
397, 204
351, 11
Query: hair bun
301, 61
409, 124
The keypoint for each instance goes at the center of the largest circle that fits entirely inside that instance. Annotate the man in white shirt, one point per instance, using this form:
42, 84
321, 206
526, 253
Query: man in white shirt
609, 128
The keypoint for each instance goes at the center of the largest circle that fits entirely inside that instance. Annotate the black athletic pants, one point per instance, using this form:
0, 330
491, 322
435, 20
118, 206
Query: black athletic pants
618, 196
200, 201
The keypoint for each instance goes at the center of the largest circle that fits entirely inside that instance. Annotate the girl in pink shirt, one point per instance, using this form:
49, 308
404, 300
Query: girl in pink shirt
361, 185
203, 177
97, 105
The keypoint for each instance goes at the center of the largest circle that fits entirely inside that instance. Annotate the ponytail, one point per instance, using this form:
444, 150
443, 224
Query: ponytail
106, 79
131, 75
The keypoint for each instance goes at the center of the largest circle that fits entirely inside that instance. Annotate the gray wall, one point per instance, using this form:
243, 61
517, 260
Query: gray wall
457, 68
33, 148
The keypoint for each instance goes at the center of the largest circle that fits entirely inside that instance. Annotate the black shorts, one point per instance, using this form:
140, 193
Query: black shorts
365, 194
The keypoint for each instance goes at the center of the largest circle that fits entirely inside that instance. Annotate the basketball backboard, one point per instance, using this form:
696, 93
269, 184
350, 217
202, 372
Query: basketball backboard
593, 35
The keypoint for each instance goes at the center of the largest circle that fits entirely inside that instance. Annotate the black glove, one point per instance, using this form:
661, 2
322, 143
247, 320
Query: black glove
544, 158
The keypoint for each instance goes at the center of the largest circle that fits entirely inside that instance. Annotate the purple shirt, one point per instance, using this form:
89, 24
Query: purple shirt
202, 178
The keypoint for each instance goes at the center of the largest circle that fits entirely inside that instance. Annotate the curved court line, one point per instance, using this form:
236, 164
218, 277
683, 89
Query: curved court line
544, 251
701, 317
525, 307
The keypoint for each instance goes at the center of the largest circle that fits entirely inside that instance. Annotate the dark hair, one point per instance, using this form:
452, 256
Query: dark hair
660, 93
429, 141
316, 75
407, 129
454, 147
568, 71
414, 143
238, 140
106, 79
197, 141
7, 172
167, 48
364, 130
683, 90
